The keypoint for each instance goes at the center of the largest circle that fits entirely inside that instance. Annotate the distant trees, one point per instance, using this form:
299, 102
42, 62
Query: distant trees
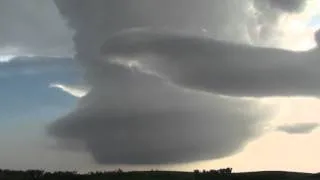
223, 171
116, 174
35, 174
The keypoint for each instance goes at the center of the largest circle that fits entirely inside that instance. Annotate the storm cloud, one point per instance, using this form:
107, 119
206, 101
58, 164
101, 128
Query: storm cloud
206, 64
140, 119
282, 5
134, 117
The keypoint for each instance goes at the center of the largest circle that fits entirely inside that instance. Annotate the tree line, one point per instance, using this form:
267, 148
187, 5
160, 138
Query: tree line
223, 174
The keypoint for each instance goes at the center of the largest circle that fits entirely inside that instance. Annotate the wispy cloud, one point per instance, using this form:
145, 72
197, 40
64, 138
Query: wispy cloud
299, 128
6, 58
76, 91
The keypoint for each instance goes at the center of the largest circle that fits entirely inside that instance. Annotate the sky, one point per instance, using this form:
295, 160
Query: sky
172, 84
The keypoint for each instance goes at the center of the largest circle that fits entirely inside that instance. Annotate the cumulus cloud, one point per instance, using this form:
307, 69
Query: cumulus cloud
33, 27
270, 18
132, 117
299, 128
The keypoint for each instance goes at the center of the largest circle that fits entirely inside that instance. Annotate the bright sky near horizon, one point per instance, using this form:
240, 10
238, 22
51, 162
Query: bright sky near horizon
31, 99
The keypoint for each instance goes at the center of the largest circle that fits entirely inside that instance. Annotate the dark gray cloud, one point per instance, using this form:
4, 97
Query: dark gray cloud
282, 5
96, 20
33, 27
299, 128
130, 117
216, 66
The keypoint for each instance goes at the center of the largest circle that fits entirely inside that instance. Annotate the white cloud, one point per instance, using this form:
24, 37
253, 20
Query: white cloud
292, 30
6, 58
76, 91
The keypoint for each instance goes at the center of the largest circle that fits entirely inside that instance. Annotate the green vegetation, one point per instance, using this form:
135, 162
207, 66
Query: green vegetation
223, 174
